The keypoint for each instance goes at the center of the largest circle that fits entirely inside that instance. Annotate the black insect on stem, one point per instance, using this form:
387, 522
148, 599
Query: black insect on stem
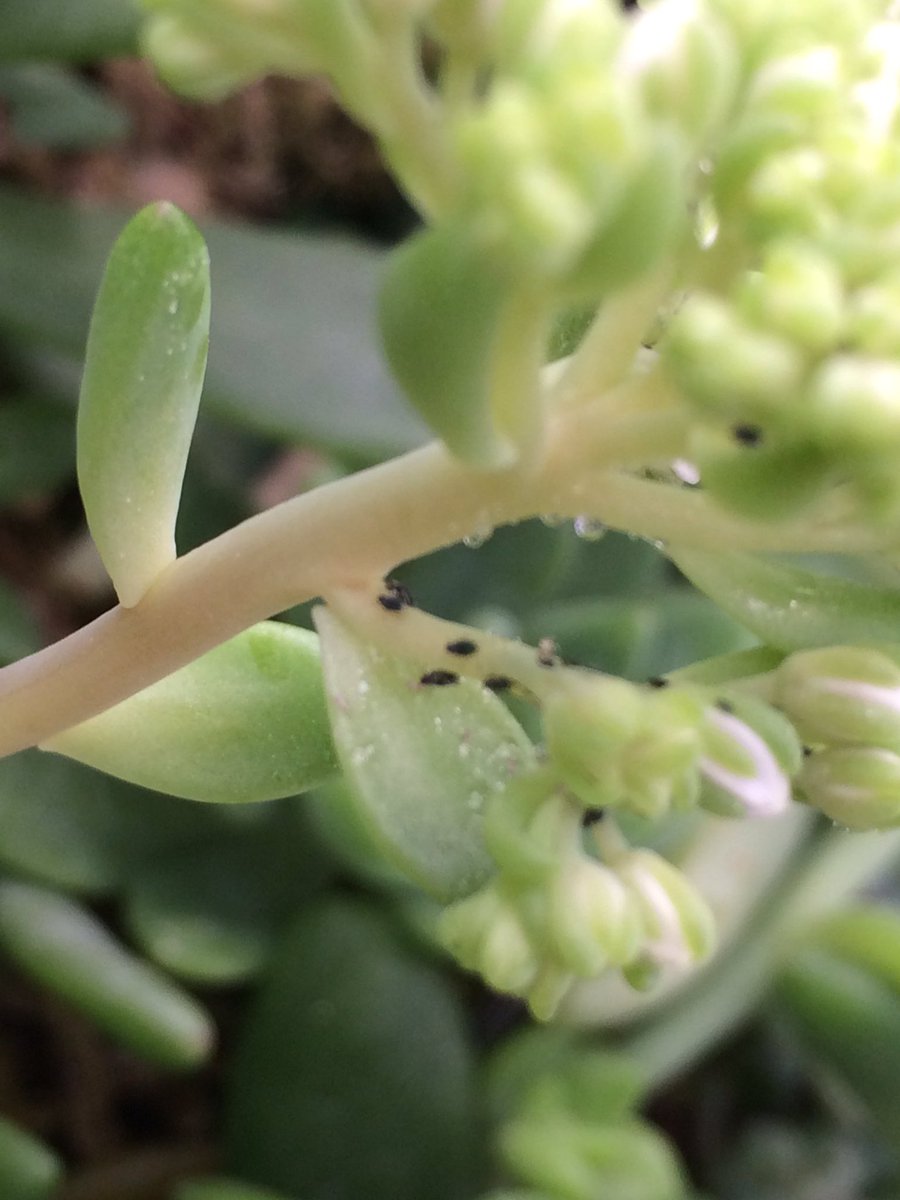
396, 596
592, 816
498, 683
439, 678
463, 647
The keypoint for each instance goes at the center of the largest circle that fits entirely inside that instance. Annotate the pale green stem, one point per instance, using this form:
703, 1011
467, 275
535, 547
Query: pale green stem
608, 349
515, 377
411, 124
839, 867
347, 534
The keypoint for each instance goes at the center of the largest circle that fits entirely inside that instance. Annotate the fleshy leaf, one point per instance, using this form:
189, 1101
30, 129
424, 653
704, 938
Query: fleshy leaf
353, 1077
420, 762
790, 608
247, 721
145, 361
440, 307
70, 951
211, 913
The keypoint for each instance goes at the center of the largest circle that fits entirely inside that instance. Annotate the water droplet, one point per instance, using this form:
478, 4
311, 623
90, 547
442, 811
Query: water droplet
476, 801
478, 536
589, 529
552, 520
464, 750
362, 687
173, 307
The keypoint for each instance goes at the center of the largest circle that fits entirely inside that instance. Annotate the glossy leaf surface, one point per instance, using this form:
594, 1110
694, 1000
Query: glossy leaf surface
420, 762
245, 722
70, 952
144, 368
299, 364
353, 1076
439, 310
791, 608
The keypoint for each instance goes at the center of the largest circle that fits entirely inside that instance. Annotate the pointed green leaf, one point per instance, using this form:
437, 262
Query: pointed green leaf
144, 367
29, 1170
247, 721
211, 913
849, 1019
420, 762
439, 309
353, 1077
790, 608
70, 951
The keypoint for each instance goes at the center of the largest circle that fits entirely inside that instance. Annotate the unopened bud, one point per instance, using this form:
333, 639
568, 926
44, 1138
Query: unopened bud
484, 933
586, 732
843, 695
592, 919
750, 753
856, 786
679, 926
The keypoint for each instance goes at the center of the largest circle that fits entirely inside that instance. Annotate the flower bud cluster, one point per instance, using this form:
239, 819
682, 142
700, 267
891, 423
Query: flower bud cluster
616, 745
575, 162
789, 355
845, 702
574, 1135
553, 914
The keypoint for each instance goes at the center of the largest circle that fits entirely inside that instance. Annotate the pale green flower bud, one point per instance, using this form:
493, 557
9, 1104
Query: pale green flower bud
554, 35
484, 933
189, 62
722, 364
592, 919
805, 85
684, 62
679, 926
855, 403
586, 733
843, 695
873, 319
749, 754
785, 197
856, 786
526, 828
548, 991
577, 1160
798, 294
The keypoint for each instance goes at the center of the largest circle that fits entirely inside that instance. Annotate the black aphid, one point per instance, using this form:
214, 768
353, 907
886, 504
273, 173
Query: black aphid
439, 678
463, 647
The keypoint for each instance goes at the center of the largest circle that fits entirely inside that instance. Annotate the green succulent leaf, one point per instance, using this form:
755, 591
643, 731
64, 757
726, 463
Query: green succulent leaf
245, 722
29, 1170
440, 308
848, 1018
353, 1076
68, 950
211, 913
55, 108
420, 762
790, 608
144, 368
58, 30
